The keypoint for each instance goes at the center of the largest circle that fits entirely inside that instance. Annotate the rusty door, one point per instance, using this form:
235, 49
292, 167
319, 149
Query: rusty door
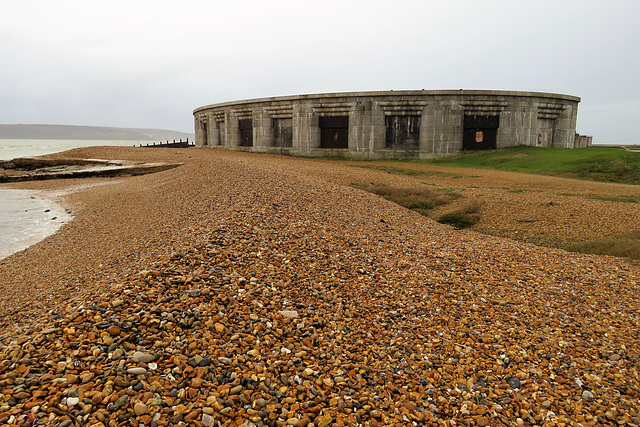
334, 132
480, 132
403, 132
283, 132
246, 132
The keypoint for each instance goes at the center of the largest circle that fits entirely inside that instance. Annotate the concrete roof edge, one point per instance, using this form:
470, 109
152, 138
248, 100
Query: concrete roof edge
464, 92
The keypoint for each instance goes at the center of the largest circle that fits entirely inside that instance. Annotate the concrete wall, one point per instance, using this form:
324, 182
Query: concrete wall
525, 118
583, 141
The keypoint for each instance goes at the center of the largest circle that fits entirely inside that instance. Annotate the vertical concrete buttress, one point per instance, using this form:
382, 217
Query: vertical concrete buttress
200, 128
565, 130
378, 130
262, 128
213, 133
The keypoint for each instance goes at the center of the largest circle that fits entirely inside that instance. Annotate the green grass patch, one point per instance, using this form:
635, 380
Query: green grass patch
623, 245
590, 163
418, 199
409, 172
622, 199
466, 217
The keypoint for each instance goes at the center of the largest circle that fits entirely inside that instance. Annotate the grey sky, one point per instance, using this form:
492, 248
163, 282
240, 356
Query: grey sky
136, 63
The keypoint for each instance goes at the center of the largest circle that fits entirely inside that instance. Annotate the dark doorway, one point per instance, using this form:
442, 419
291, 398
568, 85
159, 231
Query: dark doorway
403, 132
220, 131
480, 132
205, 133
334, 132
282, 133
246, 132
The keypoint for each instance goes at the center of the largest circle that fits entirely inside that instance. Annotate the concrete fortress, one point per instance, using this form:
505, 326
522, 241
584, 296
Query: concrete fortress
402, 124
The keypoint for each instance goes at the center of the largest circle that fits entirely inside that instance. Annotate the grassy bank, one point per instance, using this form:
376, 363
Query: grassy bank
623, 245
592, 163
423, 200
520, 209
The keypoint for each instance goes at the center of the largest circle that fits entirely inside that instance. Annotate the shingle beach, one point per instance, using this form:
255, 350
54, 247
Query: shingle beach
252, 290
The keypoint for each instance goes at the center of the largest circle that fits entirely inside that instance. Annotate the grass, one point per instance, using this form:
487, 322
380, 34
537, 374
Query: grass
409, 172
590, 163
623, 245
605, 164
422, 200
417, 199
462, 218
622, 199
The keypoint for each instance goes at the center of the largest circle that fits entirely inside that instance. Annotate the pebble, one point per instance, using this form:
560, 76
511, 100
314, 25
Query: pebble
235, 390
292, 314
208, 421
401, 322
224, 360
514, 382
120, 402
587, 395
143, 357
140, 408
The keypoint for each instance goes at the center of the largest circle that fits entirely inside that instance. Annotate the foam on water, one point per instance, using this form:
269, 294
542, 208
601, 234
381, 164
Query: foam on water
26, 218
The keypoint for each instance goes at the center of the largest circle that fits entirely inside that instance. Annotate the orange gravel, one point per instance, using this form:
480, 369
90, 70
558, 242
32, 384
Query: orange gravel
256, 290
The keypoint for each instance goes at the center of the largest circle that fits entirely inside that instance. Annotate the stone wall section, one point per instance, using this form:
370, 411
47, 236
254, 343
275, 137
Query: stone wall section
525, 118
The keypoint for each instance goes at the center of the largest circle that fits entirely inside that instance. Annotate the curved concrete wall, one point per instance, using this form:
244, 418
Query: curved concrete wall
403, 124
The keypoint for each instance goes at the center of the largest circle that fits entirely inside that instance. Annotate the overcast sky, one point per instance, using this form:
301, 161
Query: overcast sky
136, 63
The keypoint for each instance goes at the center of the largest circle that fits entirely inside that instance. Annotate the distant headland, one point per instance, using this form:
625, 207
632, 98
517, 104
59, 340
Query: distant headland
36, 131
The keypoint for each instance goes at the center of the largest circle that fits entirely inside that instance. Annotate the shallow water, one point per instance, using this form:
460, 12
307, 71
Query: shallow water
26, 218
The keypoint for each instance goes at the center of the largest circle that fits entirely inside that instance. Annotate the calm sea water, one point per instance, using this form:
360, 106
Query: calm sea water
12, 148
25, 216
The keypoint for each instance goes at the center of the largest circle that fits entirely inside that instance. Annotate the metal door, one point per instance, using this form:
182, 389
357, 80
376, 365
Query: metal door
403, 132
246, 132
480, 132
334, 132
282, 132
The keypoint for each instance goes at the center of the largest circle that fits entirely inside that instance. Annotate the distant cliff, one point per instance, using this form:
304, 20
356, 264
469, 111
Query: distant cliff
21, 131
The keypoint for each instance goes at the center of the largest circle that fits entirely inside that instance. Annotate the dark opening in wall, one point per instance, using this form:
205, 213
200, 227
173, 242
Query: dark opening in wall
205, 133
480, 132
403, 132
283, 132
246, 132
334, 132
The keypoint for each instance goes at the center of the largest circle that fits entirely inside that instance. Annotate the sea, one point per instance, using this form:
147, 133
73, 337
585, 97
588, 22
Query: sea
27, 217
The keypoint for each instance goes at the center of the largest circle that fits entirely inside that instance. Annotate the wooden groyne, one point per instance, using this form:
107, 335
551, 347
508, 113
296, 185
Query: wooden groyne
168, 144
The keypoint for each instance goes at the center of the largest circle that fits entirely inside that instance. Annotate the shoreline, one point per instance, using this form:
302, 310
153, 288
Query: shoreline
263, 290
28, 217
52, 202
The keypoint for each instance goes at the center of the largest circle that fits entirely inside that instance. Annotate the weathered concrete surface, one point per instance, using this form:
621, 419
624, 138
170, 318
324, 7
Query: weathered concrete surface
442, 118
